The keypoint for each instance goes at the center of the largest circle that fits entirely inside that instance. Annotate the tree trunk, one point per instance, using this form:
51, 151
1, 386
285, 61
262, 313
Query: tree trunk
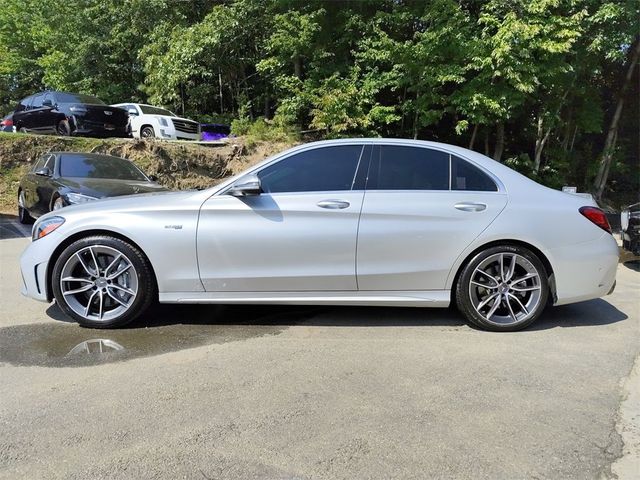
486, 142
415, 118
473, 136
497, 153
267, 104
297, 66
609, 145
220, 86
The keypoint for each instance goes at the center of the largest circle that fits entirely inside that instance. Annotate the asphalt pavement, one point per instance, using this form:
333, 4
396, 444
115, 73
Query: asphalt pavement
236, 392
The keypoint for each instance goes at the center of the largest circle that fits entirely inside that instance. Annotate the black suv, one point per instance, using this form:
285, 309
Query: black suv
65, 113
630, 223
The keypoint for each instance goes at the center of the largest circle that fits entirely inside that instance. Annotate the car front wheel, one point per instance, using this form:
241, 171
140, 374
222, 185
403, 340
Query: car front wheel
147, 132
103, 282
503, 288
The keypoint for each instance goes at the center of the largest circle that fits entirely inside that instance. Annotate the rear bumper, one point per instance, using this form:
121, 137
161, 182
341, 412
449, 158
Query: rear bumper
585, 271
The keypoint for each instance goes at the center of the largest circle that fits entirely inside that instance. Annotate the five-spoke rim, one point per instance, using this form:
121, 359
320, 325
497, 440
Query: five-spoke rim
99, 283
505, 289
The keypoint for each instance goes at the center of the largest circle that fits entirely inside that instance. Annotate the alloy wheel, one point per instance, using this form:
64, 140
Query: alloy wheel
99, 283
505, 289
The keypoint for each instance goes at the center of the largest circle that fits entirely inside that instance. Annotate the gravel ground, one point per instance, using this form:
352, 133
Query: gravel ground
284, 392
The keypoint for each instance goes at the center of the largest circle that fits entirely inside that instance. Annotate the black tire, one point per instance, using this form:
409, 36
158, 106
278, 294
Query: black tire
23, 213
147, 132
56, 199
517, 303
146, 291
63, 128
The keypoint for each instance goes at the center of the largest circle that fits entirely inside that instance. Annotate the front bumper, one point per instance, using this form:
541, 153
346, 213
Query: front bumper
34, 264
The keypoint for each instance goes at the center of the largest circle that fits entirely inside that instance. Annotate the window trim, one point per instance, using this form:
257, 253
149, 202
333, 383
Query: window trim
500, 186
258, 169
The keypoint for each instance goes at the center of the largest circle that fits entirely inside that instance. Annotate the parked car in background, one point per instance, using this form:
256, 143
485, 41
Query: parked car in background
64, 113
212, 132
341, 222
148, 121
630, 227
6, 124
59, 179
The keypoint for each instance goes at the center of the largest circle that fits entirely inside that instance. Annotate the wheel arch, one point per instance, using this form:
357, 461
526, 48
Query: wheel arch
78, 236
147, 124
535, 250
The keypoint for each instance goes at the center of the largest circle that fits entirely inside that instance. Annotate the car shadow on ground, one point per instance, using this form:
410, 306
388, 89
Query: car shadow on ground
633, 265
10, 227
591, 313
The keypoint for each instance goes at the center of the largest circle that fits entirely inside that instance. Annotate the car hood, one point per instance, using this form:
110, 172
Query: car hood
107, 187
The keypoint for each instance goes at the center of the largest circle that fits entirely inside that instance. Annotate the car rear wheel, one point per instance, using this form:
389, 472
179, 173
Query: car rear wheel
103, 282
23, 213
147, 132
503, 288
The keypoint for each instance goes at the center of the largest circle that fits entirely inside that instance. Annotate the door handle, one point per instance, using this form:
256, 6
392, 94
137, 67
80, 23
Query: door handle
333, 204
470, 206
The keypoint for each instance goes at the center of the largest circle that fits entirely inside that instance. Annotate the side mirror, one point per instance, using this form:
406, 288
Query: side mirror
248, 185
47, 103
153, 178
44, 172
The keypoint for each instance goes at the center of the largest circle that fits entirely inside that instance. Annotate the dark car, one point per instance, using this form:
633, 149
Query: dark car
6, 124
630, 226
59, 179
64, 113
214, 131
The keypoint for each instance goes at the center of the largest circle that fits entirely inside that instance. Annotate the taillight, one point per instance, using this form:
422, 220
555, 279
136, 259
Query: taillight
596, 216
7, 123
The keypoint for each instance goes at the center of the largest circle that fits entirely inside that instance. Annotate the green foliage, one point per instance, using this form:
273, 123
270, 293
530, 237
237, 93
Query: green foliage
535, 79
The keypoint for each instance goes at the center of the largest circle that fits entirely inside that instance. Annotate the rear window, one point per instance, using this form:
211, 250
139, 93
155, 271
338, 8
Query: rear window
62, 97
410, 168
80, 166
465, 176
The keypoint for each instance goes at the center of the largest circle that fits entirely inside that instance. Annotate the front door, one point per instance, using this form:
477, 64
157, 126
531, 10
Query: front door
299, 235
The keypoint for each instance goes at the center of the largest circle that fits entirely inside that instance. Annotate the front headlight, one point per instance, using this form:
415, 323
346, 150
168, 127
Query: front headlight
163, 121
45, 227
75, 198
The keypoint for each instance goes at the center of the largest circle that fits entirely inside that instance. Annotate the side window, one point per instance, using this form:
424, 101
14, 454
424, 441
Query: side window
23, 105
48, 96
318, 170
465, 176
132, 109
37, 101
409, 168
40, 163
50, 163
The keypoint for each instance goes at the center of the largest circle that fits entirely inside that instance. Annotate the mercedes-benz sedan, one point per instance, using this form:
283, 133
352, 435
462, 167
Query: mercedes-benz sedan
346, 222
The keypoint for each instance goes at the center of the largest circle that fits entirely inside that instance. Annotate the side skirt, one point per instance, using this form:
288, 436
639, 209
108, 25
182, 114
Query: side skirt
425, 298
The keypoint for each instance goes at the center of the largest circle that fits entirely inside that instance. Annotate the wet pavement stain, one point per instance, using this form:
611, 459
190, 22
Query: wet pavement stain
166, 329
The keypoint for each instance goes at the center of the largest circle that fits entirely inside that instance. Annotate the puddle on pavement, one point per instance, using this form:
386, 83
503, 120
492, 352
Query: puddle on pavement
64, 344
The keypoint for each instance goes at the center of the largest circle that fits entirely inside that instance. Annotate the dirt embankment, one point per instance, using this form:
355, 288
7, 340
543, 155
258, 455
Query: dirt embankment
177, 165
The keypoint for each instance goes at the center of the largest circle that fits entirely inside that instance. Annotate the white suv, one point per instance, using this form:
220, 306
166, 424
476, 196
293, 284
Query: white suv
148, 121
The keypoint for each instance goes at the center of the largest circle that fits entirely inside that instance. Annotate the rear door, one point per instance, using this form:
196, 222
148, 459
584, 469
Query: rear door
422, 207
299, 235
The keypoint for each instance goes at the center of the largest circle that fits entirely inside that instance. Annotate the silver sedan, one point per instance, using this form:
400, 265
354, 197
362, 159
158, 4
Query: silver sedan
345, 222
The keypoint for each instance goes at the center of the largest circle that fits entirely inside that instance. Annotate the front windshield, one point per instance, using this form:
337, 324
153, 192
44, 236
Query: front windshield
99, 166
62, 97
149, 110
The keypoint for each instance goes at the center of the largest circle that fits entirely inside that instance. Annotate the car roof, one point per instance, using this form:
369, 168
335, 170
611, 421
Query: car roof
89, 155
